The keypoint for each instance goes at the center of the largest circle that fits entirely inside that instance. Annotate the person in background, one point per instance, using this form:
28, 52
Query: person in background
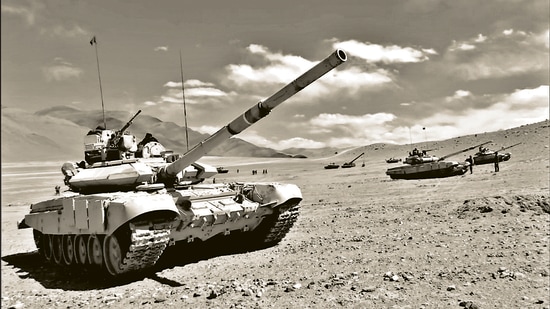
471, 161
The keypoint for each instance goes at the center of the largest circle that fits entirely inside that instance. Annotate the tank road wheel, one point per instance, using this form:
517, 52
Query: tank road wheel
95, 253
80, 243
113, 255
47, 249
68, 249
57, 241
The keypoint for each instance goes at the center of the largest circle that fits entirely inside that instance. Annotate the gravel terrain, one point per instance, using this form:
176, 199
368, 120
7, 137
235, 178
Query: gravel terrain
362, 240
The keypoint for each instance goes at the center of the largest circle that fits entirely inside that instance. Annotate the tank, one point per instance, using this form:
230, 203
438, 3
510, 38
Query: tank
393, 160
128, 201
332, 166
222, 170
352, 162
421, 165
487, 156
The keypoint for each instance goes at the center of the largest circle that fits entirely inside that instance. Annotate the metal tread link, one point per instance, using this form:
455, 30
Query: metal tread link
282, 225
145, 248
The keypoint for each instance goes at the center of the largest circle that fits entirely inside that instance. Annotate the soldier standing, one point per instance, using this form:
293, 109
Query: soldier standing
496, 162
471, 160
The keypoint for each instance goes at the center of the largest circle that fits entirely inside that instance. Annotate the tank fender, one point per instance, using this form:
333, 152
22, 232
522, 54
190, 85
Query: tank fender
273, 193
160, 207
97, 214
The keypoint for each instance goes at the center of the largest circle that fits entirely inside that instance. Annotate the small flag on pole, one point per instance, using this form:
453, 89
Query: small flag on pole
93, 41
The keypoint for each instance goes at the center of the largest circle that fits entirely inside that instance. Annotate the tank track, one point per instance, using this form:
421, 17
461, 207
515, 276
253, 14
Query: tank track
145, 248
278, 229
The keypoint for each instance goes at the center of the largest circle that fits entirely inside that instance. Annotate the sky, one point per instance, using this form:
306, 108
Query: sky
417, 70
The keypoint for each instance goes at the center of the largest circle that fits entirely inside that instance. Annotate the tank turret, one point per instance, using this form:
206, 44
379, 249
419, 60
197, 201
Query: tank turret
128, 201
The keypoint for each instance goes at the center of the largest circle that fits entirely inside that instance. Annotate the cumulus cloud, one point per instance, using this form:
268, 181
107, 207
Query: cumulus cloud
195, 91
206, 129
275, 68
61, 70
299, 142
328, 120
375, 53
161, 48
520, 107
272, 70
477, 113
349, 130
503, 54
294, 142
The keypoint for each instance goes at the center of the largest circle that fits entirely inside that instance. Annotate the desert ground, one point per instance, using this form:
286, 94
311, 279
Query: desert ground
362, 240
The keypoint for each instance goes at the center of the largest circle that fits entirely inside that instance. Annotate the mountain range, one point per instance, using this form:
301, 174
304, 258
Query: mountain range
57, 133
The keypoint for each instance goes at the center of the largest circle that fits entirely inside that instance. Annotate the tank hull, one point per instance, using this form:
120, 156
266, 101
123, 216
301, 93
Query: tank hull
125, 232
427, 170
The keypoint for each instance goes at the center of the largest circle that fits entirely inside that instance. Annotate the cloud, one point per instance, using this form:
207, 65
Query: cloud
61, 71
161, 48
206, 129
294, 142
273, 67
188, 84
195, 91
349, 130
504, 54
73, 31
299, 142
375, 53
28, 14
268, 71
475, 114
38, 15
505, 111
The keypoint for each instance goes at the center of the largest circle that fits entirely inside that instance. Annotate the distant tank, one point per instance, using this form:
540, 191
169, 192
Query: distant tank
128, 201
420, 165
222, 170
393, 160
352, 162
486, 156
332, 166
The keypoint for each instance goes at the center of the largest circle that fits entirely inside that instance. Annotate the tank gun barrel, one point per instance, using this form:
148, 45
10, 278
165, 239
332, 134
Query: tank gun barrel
255, 113
359, 156
463, 150
115, 139
129, 123
504, 148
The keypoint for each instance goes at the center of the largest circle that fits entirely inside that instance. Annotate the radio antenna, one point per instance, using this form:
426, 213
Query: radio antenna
93, 42
184, 108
